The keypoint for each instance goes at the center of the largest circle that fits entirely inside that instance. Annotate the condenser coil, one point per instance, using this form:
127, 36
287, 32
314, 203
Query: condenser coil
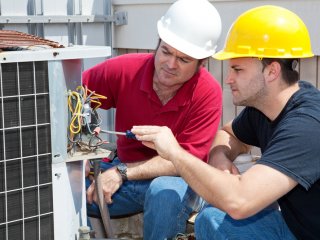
41, 194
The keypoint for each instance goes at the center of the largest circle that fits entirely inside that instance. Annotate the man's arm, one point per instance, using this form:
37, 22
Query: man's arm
239, 195
112, 180
225, 148
155, 167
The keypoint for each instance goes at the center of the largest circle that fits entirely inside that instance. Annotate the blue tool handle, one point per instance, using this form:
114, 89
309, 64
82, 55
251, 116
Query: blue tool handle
130, 135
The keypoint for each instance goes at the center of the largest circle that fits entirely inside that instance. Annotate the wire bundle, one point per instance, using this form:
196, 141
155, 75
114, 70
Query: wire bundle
83, 119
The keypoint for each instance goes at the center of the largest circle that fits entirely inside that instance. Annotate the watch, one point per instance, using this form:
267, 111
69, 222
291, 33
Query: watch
122, 169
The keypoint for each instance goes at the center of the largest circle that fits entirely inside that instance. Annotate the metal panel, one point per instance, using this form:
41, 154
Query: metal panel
14, 8
74, 52
93, 7
69, 202
56, 7
57, 33
89, 37
142, 30
16, 27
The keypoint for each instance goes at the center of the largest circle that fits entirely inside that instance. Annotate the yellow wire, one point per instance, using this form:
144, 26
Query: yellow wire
75, 123
81, 93
96, 96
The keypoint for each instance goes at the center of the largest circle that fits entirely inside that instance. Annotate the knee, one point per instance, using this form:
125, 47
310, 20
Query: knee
209, 220
201, 224
161, 183
163, 191
202, 219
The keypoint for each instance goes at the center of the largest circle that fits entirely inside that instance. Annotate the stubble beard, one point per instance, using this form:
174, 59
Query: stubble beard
256, 99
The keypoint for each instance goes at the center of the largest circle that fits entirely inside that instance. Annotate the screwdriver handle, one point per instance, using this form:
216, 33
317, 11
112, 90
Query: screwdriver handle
130, 135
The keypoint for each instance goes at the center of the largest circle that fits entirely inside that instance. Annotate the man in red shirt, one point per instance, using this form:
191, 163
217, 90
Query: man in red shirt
170, 88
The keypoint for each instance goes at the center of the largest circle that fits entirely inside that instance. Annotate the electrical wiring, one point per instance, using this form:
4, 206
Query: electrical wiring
83, 119
95, 98
75, 99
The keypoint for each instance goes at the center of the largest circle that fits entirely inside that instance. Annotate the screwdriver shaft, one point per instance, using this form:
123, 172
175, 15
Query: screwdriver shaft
113, 132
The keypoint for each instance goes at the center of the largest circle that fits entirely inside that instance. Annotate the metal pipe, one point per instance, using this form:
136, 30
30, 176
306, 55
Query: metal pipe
104, 211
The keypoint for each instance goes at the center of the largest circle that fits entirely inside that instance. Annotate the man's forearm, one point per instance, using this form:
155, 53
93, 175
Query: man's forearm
223, 190
149, 169
227, 144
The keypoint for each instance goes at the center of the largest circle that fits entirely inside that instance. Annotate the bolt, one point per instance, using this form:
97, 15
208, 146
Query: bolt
58, 175
84, 233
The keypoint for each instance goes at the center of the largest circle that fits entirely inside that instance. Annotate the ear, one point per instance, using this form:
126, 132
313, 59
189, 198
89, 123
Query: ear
203, 62
273, 71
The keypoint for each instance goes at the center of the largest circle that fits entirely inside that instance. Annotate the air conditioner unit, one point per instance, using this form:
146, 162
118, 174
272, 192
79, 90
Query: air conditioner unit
41, 192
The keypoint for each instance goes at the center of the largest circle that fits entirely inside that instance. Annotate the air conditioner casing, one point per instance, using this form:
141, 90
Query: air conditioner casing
42, 193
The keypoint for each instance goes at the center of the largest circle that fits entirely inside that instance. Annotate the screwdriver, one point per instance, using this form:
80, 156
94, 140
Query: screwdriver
127, 133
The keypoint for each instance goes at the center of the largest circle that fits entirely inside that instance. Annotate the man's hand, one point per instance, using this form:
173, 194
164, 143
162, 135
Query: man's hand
111, 181
160, 139
223, 163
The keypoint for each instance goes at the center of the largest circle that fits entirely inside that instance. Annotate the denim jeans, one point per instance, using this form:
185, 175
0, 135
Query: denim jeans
214, 224
166, 202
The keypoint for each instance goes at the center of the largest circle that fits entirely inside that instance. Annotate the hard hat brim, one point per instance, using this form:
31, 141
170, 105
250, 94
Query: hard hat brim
222, 55
182, 45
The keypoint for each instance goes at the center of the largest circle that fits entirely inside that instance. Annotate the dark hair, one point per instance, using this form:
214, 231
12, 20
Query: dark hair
288, 66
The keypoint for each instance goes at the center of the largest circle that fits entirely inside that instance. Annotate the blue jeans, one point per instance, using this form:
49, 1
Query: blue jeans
214, 224
166, 202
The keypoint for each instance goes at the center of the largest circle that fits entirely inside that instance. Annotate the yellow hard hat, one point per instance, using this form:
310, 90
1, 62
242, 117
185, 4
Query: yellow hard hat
267, 32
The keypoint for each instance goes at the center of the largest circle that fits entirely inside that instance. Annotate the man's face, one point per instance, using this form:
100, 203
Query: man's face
173, 68
246, 81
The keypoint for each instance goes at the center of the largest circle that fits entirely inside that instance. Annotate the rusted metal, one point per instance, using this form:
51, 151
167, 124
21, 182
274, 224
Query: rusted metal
13, 40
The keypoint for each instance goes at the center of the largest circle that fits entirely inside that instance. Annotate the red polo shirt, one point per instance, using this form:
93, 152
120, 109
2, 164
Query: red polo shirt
193, 114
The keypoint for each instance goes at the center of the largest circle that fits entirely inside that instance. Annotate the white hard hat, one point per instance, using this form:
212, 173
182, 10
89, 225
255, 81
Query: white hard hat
192, 27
